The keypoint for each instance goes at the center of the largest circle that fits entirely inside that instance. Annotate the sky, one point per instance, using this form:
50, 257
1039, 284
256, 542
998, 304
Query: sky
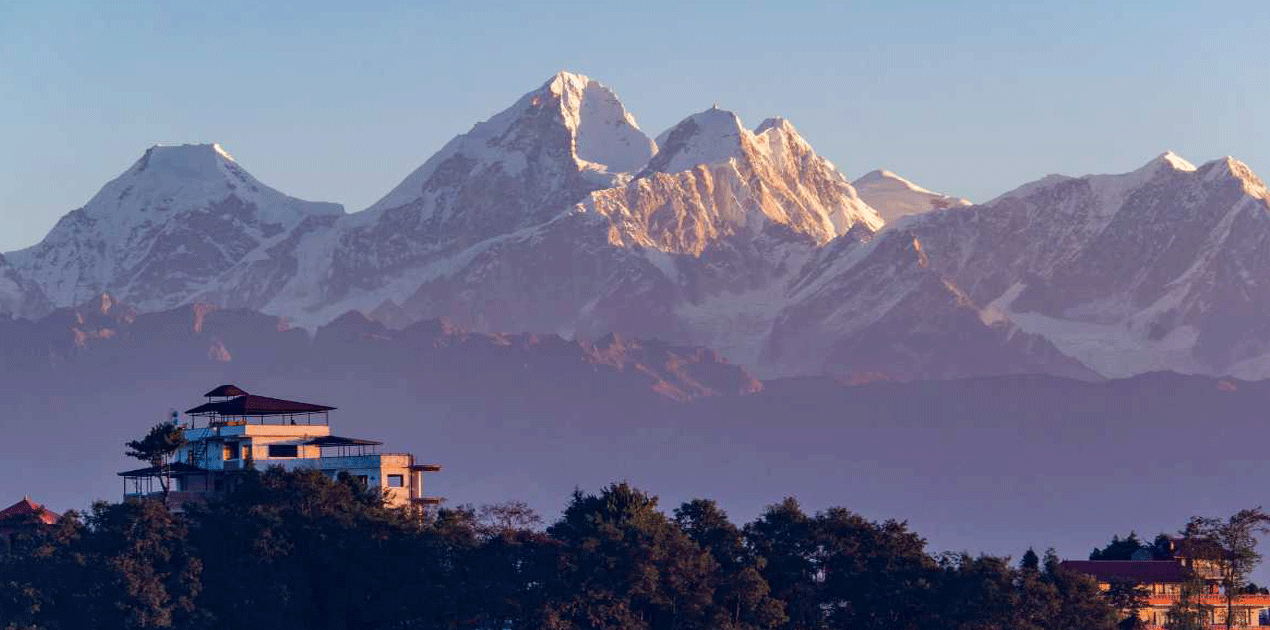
329, 102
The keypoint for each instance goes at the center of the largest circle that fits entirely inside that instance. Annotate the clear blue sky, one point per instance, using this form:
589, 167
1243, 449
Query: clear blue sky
327, 102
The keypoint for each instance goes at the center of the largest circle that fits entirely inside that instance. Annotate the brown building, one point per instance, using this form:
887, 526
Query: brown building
1163, 579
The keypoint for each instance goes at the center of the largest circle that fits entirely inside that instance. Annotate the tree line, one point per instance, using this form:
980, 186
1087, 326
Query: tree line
300, 550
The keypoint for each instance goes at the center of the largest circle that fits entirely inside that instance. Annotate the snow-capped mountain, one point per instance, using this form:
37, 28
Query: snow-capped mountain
165, 229
559, 215
1160, 268
555, 215
894, 197
514, 172
874, 308
719, 211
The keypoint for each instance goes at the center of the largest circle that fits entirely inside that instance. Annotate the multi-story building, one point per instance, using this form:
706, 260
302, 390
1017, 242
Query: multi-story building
235, 431
1162, 582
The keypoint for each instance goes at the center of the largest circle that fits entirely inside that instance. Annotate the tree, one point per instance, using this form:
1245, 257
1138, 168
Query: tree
1079, 603
157, 448
1119, 548
742, 597
1031, 561
876, 575
1189, 612
508, 517
1130, 598
1235, 555
784, 537
624, 565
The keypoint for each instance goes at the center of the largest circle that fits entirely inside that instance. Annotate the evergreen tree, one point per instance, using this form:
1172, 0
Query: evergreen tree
1031, 561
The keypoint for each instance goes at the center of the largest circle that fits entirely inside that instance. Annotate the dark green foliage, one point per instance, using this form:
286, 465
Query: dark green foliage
1189, 612
1030, 561
159, 445
1124, 548
157, 448
1130, 598
298, 550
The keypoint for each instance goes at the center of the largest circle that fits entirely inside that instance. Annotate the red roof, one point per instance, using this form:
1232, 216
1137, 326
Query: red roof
26, 508
1141, 571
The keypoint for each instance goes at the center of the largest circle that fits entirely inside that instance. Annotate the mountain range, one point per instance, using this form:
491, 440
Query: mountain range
559, 215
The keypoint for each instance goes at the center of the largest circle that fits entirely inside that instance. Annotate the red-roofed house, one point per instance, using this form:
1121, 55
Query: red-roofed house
1162, 581
23, 516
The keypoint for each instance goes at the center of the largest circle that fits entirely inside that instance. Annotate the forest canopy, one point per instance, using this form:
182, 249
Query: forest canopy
299, 550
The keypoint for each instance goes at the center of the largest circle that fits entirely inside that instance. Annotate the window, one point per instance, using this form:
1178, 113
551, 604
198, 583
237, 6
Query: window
180, 484
363, 479
231, 450
284, 450
396, 481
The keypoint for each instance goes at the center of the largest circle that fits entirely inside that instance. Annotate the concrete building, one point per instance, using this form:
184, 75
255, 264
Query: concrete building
235, 431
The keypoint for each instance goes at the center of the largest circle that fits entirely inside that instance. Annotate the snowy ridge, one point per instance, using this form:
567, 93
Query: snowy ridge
1154, 269
156, 234
558, 214
601, 136
895, 197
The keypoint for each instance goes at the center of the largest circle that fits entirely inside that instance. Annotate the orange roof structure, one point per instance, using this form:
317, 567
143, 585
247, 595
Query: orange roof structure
27, 509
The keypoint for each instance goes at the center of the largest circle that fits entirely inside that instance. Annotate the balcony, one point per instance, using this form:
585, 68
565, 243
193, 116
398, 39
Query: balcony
1213, 599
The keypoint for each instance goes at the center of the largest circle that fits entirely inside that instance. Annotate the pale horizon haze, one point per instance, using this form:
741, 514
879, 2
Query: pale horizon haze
328, 103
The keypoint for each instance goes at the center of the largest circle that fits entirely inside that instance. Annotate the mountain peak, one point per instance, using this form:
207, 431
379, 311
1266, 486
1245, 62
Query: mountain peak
563, 81
1235, 169
775, 122
1169, 160
186, 161
571, 123
894, 196
707, 137
883, 175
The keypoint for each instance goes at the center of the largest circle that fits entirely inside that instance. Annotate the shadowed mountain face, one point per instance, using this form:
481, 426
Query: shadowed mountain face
1155, 269
18, 295
531, 417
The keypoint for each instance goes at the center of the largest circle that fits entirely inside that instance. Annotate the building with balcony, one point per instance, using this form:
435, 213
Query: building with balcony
1162, 581
235, 431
